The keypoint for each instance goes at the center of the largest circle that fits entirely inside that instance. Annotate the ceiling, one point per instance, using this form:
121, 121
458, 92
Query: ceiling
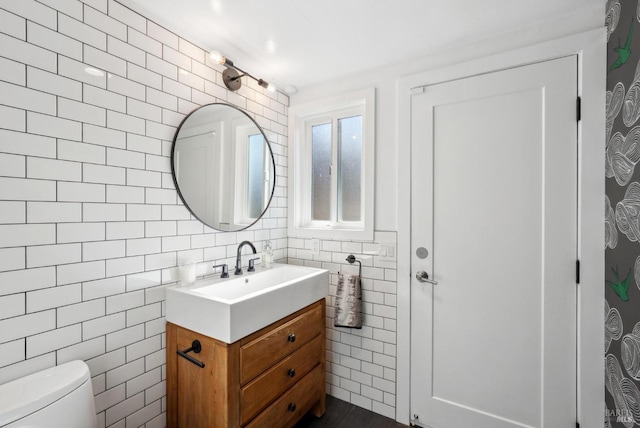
303, 42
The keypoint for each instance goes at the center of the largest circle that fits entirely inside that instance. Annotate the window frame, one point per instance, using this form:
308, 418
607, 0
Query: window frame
301, 119
241, 180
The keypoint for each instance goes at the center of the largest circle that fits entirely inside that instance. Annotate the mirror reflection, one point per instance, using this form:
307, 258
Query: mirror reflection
223, 167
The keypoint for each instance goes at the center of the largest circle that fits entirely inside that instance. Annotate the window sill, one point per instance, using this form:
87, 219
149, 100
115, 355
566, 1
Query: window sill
333, 233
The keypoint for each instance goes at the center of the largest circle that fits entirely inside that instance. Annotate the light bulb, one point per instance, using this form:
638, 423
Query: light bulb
268, 86
217, 57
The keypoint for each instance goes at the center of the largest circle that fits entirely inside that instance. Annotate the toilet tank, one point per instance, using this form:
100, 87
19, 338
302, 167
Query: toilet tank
59, 397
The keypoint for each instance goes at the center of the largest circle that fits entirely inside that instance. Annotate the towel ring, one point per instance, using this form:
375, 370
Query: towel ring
351, 259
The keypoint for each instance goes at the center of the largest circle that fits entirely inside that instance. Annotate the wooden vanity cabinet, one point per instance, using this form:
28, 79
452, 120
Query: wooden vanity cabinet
270, 378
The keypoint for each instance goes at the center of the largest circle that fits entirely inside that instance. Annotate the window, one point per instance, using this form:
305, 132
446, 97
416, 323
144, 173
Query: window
252, 175
331, 167
256, 184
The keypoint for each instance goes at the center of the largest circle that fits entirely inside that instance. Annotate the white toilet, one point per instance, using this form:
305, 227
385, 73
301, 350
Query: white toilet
59, 397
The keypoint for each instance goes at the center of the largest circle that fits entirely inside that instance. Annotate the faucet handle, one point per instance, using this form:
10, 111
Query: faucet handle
225, 270
252, 264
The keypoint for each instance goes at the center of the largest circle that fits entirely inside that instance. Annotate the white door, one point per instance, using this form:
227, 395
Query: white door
202, 151
494, 222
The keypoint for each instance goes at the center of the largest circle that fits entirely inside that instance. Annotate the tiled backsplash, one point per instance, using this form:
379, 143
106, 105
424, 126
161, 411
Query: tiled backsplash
91, 94
361, 363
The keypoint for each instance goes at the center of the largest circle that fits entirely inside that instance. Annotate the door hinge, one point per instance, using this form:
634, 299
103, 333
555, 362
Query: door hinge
577, 424
577, 271
578, 109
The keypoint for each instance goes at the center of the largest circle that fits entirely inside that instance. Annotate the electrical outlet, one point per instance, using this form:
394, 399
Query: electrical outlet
391, 251
315, 246
383, 251
387, 251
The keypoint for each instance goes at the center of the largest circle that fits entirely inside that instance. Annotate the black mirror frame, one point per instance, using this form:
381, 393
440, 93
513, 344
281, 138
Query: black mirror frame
175, 180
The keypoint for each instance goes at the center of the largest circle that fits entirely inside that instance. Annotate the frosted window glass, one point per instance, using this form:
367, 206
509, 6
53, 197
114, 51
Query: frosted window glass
349, 168
321, 172
256, 176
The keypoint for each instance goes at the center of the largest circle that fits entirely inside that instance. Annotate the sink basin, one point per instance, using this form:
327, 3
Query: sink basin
229, 309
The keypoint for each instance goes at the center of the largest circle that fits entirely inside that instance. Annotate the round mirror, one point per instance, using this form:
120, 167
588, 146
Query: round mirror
223, 167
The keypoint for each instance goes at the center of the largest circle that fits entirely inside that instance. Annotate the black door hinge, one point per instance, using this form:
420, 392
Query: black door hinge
578, 109
577, 424
577, 271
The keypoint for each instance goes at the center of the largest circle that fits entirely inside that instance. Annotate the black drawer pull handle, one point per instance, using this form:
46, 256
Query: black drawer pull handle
291, 337
292, 407
291, 372
195, 347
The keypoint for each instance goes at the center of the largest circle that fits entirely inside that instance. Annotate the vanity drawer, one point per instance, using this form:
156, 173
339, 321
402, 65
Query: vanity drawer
265, 388
291, 406
261, 353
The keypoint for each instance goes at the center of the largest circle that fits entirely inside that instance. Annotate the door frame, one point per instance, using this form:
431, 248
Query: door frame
590, 48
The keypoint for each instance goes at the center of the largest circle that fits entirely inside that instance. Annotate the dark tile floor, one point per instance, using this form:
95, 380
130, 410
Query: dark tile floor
341, 414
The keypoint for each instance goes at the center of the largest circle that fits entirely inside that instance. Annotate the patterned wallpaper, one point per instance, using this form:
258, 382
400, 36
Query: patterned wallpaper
622, 216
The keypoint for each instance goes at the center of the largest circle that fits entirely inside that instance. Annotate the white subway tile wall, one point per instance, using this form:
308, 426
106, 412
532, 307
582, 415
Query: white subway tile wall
91, 227
361, 363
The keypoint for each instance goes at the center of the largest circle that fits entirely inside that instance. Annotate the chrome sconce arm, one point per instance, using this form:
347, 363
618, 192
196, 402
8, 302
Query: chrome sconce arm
232, 75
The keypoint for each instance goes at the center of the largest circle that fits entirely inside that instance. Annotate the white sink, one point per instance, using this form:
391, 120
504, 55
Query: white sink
231, 308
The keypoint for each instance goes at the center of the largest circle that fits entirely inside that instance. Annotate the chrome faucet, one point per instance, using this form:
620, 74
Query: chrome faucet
225, 270
238, 270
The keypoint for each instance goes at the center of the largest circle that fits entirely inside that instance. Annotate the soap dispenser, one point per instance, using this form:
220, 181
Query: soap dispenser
267, 255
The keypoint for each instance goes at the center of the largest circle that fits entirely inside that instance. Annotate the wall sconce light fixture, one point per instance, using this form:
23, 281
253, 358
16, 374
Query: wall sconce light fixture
232, 74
